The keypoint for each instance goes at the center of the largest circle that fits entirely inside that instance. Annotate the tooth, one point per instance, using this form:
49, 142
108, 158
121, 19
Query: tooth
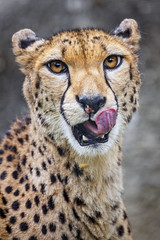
102, 136
84, 138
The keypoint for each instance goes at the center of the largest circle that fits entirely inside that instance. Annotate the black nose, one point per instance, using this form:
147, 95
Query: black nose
91, 103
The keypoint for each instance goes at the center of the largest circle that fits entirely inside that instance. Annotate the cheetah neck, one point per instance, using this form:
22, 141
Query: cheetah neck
67, 167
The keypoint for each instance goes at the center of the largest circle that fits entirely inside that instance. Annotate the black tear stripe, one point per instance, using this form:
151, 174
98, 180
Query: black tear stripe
115, 97
62, 100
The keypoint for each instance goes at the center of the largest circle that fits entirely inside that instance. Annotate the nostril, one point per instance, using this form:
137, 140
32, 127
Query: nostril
93, 103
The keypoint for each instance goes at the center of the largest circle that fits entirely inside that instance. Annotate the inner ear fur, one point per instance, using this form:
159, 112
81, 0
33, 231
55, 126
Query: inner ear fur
128, 32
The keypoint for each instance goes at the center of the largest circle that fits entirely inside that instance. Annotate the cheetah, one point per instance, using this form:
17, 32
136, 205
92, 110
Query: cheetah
60, 167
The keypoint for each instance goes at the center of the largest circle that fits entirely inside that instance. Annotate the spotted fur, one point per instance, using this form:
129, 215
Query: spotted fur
51, 187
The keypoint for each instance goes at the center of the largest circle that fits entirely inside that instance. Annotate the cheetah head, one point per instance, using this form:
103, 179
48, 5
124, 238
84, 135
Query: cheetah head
81, 85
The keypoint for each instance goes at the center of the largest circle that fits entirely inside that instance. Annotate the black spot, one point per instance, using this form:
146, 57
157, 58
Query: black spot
23, 226
120, 230
33, 238
49, 161
21, 180
15, 205
28, 204
124, 215
65, 195
37, 84
44, 209
15, 175
77, 170
38, 172
44, 230
8, 189
114, 207
59, 177
44, 166
131, 99
52, 227
36, 200
125, 34
24, 160
64, 237
14, 238
19, 168
34, 188
78, 235
28, 120
62, 218
70, 227
3, 175
40, 150
129, 118
98, 214
129, 230
27, 186
63, 51
36, 95
134, 109
20, 140
16, 193
8, 229
13, 149
53, 178
12, 219
4, 201
51, 203
10, 158
61, 151
75, 214
42, 188
22, 215
26, 137
2, 213
36, 218
79, 202
39, 104
91, 219
1, 152
114, 221
1, 159
130, 73
68, 165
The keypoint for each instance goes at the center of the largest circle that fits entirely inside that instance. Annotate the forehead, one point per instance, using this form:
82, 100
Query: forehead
86, 45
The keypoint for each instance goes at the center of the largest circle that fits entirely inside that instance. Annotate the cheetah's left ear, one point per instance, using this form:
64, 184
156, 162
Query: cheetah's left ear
129, 33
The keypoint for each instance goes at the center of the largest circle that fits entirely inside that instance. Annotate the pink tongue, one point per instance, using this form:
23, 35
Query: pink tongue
105, 121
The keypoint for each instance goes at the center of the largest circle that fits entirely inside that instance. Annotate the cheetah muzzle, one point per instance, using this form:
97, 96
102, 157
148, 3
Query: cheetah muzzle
92, 132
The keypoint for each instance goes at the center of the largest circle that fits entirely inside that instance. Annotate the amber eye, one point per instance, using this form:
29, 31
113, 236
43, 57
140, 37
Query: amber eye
112, 61
57, 66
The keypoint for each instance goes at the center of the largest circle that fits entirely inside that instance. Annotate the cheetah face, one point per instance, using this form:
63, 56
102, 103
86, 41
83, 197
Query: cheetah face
76, 83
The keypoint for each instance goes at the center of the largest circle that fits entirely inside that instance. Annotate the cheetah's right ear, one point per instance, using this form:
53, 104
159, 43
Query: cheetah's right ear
24, 42
128, 32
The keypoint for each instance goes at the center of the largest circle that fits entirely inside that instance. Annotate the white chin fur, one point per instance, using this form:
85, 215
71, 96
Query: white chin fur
92, 150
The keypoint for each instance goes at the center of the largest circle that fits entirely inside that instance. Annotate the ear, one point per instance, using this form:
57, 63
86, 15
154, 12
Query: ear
24, 44
129, 33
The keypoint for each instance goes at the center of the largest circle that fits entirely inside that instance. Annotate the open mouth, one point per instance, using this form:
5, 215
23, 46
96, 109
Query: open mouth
91, 132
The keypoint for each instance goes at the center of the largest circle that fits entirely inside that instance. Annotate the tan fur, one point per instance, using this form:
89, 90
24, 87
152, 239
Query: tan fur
51, 187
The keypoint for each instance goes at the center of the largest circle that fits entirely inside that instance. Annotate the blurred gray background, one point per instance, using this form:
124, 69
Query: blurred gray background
142, 138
